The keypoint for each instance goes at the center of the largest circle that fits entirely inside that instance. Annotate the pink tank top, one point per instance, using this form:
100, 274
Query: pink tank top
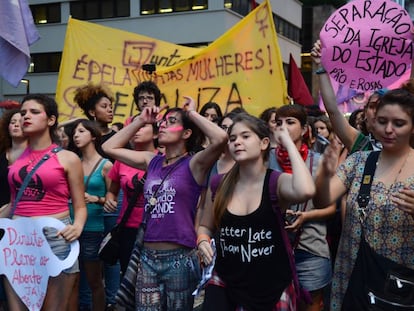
47, 192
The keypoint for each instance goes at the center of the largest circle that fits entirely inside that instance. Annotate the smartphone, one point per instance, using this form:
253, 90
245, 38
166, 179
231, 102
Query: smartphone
290, 218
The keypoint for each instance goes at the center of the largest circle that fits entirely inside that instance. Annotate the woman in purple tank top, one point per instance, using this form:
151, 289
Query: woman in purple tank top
168, 273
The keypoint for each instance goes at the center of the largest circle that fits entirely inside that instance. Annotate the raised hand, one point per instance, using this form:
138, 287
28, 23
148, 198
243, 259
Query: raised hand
316, 52
149, 114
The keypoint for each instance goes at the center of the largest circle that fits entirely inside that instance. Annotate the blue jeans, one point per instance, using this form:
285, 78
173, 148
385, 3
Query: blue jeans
112, 273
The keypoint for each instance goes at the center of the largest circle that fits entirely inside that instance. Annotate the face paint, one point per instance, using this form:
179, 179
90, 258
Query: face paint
174, 128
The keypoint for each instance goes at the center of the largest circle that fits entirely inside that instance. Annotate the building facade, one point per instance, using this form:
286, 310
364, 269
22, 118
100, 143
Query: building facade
188, 22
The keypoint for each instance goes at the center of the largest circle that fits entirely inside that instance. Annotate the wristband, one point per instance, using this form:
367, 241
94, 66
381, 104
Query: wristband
320, 71
203, 237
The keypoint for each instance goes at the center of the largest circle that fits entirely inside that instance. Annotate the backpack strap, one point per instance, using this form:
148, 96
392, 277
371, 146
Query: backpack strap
29, 176
301, 293
366, 182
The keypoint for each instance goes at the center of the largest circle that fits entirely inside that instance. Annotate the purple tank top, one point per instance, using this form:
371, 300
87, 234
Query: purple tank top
172, 219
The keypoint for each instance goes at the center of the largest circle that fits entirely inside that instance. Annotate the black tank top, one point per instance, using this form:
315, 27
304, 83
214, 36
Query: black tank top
251, 256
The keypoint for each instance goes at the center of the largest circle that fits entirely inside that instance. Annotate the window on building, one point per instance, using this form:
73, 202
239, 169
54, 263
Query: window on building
286, 29
45, 62
149, 7
242, 7
97, 9
46, 13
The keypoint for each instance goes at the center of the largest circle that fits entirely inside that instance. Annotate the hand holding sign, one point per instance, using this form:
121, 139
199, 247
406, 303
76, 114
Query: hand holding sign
367, 45
27, 260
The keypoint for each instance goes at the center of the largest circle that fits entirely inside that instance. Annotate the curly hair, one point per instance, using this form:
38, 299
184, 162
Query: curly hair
151, 88
5, 138
88, 95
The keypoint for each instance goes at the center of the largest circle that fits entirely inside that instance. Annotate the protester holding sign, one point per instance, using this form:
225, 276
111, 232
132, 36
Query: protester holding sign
351, 137
47, 193
367, 45
168, 266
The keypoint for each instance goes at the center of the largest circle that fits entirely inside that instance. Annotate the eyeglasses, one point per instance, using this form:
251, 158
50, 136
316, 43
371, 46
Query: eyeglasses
168, 121
144, 97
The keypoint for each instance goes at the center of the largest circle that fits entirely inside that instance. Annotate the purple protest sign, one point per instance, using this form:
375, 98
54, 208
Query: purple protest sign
367, 45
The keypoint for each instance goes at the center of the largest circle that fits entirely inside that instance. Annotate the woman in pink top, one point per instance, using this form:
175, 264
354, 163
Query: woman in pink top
127, 178
54, 182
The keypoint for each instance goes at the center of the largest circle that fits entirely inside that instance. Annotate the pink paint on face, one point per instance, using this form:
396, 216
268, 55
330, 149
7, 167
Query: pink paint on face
174, 129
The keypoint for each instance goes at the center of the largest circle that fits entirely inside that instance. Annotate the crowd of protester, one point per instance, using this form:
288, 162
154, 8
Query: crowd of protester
271, 202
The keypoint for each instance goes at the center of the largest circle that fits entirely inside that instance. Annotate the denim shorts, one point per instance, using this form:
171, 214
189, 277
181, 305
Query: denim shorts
59, 246
89, 245
314, 272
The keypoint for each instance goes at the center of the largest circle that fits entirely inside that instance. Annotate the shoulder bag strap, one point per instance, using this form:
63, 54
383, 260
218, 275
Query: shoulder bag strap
132, 200
92, 171
298, 234
300, 292
29, 176
366, 182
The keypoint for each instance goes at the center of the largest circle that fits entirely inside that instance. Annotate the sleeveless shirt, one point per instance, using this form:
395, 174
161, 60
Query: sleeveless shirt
172, 220
47, 192
251, 256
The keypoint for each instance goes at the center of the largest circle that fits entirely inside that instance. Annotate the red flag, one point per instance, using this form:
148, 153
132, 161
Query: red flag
297, 88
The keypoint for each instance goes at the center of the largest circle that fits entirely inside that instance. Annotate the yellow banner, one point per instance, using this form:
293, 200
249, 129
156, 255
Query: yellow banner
243, 68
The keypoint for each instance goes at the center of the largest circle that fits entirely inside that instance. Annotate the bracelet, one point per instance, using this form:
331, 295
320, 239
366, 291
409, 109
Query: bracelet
320, 71
203, 238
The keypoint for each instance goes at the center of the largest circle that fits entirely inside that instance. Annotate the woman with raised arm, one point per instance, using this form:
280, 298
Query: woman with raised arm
384, 226
171, 191
254, 269
305, 224
128, 179
352, 138
58, 179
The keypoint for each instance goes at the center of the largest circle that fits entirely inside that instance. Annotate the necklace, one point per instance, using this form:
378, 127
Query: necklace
167, 160
401, 167
153, 200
